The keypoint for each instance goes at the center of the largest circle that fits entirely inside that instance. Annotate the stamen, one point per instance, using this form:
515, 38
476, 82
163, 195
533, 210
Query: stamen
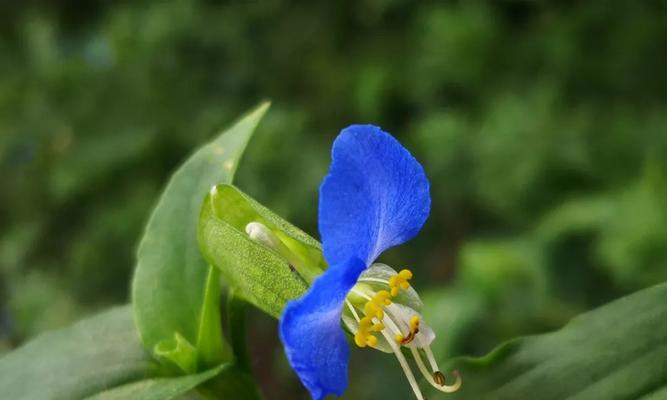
400, 281
375, 306
431, 359
414, 330
380, 315
437, 378
354, 312
360, 294
393, 326
405, 366
364, 336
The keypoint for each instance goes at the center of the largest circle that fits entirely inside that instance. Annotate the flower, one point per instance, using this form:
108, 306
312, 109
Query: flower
375, 196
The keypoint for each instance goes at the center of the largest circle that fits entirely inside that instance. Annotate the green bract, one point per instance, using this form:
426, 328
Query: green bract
259, 274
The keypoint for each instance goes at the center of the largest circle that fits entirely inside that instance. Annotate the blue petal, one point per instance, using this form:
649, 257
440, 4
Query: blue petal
376, 196
311, 331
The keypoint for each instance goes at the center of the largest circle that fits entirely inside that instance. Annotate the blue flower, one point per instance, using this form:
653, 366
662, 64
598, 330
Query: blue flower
375, 196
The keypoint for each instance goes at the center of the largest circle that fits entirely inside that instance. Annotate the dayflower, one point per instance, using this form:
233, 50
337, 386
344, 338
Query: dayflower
375, 196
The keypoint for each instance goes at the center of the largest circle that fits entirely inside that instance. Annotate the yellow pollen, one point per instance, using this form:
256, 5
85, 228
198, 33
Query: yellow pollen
414, 323
374, 308
359, 339
414, 330
364, 336
400, 281
377, 327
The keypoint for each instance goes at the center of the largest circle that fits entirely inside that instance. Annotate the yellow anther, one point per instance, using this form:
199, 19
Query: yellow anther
360, 339
405, 274
414, 330
414, 323
372, 309
383, 297
369, 308
364, 337
400, 281
377, 327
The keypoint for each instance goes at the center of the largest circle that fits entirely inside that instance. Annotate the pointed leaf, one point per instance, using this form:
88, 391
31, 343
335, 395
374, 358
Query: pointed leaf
618, 351
78, 361
170, 278
157, 388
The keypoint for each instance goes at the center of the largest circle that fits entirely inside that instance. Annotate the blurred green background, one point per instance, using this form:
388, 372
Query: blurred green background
542, 126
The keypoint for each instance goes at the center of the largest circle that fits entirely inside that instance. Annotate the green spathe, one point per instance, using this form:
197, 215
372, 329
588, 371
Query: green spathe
259, 274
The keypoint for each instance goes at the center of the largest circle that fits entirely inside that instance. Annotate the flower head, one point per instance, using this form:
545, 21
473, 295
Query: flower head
375, 196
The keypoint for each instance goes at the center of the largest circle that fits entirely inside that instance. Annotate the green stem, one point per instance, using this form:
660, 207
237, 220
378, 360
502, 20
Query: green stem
210, 342
237, 330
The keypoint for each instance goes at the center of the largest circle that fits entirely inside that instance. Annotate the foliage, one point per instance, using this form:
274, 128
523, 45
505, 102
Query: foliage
615, 352
174, 293
540, 125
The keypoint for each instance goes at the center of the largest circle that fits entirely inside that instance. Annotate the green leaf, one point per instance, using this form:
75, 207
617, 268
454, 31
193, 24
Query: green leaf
170, 279
618, 351
232, 383
157, 388
259, 274
78, 361
179, 351
210, 341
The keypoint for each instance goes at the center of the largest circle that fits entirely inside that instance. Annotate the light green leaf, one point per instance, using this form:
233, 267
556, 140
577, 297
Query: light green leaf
259, 274
238, 209
157, 388
170, 278
78, 361
179, 351
618, 351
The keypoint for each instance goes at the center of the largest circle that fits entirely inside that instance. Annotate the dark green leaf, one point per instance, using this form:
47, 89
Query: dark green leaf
157, 388
618, 351
170, 278
231, 383
71, 363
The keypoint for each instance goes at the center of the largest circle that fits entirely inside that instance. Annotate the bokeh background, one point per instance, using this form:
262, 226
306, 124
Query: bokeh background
542, 126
